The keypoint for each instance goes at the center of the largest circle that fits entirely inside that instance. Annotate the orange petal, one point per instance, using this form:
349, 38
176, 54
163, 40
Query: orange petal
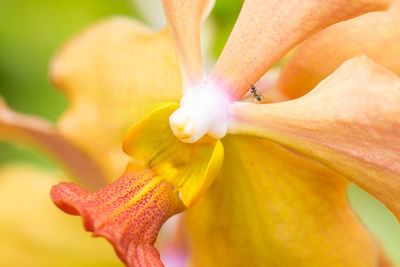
350, 122
376, 35
266, 30
185, 18
41, 134
128, 212
266, 88
271, 207
383, 260
113, 73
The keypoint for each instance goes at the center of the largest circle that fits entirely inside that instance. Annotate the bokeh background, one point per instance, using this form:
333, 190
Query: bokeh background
32, 31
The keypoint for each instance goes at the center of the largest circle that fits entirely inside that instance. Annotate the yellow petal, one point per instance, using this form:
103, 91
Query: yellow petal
270, 207
34, 232
350, 122
266, 30
185, 18
113, 73
376, 35
191, 168
37, 132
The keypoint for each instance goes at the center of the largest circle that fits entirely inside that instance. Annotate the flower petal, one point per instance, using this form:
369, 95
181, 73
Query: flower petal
113, 74
267, 89
34, 233
173, 242
128, 212
383, 260
40, 133
350, 122
376, 35
184, 19
271, 207
266, 30
191, 168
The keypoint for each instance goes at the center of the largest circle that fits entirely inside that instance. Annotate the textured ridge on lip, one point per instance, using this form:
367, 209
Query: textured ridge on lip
128, 213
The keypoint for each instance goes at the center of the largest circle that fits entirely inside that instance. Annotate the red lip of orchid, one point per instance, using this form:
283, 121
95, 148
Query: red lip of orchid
128, 212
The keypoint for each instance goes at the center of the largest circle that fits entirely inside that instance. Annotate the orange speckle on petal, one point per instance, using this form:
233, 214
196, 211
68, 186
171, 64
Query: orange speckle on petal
128, 213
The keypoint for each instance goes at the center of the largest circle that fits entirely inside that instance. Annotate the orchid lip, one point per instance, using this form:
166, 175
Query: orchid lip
204, 110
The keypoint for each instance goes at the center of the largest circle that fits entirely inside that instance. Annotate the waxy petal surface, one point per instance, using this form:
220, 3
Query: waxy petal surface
113, 74
191, 168
185, 19
37, 132
350, 122
128, 212
36, 234
266, 30
376, 35
271, 207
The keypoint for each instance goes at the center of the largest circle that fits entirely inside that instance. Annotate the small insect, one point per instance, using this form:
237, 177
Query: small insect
253, 90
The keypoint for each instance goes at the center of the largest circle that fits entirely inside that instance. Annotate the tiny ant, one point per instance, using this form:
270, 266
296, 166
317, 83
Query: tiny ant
253, 90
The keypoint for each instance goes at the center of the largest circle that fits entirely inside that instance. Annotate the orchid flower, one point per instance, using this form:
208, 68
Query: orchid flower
263, 184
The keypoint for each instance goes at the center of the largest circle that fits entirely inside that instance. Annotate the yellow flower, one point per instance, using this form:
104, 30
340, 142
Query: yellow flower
265, 183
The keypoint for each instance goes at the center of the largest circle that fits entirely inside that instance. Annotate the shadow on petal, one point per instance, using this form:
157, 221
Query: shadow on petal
350, 122
376, 35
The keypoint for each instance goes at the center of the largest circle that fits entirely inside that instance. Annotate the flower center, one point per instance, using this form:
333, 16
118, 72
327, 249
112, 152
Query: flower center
204, 110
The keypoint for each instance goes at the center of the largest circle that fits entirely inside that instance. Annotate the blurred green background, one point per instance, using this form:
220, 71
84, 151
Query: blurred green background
32, 31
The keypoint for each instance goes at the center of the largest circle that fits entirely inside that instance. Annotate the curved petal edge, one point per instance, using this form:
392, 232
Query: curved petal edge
350, 122
376, 34
266, 30
41, 134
